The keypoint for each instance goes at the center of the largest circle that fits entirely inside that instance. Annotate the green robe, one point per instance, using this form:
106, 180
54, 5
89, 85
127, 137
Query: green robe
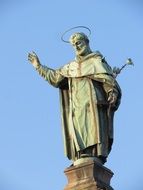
86, 118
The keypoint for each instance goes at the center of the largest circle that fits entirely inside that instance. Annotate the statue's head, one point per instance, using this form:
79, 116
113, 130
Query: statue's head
80, 42
77, 37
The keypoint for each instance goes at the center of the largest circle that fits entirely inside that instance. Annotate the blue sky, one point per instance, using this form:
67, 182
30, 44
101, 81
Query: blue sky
31, 146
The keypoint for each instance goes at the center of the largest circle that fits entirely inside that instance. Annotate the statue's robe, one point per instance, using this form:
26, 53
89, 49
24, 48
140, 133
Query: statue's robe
87, 117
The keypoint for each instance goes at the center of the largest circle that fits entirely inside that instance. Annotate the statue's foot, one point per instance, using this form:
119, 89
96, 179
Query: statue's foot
101, 159
84, 155
87, 158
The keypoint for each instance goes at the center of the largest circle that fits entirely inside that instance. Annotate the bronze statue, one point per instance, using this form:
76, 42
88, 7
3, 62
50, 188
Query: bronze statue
89, 96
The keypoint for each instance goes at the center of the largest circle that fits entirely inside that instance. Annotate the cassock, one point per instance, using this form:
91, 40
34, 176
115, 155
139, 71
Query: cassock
87, 117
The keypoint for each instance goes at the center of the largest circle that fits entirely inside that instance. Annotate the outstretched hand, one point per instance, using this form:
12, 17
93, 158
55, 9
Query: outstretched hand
34, 60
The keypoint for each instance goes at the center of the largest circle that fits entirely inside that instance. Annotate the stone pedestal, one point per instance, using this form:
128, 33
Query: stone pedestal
90, 175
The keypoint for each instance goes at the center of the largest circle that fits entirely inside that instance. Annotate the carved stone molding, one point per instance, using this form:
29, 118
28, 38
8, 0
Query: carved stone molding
90, 175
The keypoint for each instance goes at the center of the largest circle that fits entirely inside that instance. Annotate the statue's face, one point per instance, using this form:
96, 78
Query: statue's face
80, 47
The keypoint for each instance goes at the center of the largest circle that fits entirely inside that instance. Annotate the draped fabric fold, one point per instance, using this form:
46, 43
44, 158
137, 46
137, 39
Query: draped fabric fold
84, 88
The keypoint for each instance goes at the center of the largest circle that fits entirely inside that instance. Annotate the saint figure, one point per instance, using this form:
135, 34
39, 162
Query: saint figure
89, 96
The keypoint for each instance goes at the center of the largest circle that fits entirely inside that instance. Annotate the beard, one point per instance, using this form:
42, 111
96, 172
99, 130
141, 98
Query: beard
82, 51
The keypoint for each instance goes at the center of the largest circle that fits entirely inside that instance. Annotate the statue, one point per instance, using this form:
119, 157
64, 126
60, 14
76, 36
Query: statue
89, 95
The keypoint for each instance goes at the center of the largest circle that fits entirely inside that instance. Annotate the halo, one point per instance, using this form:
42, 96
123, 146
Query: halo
66, 41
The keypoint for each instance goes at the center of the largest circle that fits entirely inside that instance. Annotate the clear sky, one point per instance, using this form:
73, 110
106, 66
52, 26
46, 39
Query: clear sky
31, 145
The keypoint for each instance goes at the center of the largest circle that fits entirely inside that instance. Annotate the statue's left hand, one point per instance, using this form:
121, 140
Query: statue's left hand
112, 98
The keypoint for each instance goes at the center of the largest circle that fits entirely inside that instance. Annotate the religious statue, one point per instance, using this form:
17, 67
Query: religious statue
89, 95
